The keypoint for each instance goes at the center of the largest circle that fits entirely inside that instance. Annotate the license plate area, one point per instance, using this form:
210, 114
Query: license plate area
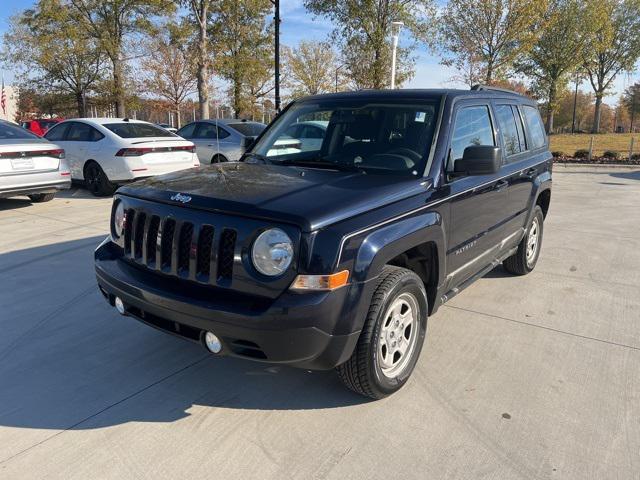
22, 164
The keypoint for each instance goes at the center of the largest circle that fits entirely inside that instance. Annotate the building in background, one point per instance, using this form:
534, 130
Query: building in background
9, 107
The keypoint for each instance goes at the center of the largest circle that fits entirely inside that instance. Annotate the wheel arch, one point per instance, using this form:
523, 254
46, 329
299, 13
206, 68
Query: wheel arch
416, 243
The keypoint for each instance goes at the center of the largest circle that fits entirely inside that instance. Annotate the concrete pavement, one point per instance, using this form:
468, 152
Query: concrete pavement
520, 378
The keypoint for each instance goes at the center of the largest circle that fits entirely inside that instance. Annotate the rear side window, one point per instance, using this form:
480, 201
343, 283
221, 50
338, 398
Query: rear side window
472, 127
81, 132
57, 133
535, 128
137, 130
210, 131
508, 128
13, 132
248, 129
187, 131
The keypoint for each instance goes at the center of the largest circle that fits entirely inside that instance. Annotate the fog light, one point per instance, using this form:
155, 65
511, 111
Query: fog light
212, 342
120, 306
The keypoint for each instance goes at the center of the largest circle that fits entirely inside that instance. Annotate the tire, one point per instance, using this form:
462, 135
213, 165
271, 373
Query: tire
217, 158
41, 197
365, 371
525, 259
96, 180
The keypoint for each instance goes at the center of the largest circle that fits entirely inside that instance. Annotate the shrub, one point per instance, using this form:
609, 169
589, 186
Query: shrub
582, 153
635, 156
611, 154
557, 154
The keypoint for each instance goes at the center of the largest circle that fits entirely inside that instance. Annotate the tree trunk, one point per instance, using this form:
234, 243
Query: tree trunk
597, 113
81, 104
118, 88
237, 96
489, 75
551, 106
203, 74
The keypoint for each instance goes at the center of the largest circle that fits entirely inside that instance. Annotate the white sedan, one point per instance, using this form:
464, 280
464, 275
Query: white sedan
106, 152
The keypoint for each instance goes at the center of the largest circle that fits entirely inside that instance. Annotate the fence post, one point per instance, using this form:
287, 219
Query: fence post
590, 149
631, 149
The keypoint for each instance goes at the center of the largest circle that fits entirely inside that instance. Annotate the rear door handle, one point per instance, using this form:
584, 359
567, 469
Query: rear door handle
501, 185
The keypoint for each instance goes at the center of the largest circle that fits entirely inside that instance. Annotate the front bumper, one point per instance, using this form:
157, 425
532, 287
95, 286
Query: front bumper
295, 329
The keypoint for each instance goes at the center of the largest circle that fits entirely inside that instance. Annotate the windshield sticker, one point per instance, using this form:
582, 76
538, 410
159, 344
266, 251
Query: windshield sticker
421, 116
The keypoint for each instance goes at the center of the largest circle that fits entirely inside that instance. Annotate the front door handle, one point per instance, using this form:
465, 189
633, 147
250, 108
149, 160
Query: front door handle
530, 173
501, 185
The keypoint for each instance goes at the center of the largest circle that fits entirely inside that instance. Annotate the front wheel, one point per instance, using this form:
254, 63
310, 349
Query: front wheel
526, 257
392, 336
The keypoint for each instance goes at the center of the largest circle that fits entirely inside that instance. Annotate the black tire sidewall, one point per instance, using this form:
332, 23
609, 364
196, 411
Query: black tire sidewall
386, 386
537, 213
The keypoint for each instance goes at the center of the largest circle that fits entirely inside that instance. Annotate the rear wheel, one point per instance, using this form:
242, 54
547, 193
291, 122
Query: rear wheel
392, 337
96, 180
41, 197
526, 257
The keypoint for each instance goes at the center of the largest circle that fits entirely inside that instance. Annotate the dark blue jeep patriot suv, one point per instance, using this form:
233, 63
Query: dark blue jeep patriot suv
352, 218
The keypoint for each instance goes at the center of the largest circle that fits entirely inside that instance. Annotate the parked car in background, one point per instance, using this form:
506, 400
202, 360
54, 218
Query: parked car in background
30, 165
40, 126
167, 127
300, 137
107, 152
221, 140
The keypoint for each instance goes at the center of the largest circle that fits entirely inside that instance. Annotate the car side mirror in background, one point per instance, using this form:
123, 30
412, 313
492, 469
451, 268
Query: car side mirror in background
248, 142
479, 160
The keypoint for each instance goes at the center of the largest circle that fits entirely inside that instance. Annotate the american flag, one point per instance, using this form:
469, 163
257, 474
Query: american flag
3, 98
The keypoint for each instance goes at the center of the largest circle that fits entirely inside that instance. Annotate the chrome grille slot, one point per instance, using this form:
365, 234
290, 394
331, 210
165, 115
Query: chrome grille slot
152, 240
128, 229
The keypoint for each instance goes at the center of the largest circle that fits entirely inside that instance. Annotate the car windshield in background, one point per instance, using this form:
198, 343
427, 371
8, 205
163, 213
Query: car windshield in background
375, 136
248, 129
137, 130
13, 132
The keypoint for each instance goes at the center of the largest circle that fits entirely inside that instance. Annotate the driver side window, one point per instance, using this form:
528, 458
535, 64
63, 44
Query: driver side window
472, 127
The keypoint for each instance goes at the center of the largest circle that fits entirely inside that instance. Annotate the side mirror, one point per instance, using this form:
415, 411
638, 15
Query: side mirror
248, 142
479, 160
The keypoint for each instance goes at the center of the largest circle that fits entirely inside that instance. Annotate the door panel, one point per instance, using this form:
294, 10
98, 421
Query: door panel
478, 215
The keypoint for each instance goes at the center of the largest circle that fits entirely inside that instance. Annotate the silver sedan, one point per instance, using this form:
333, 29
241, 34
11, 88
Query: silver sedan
221, 140
30, 165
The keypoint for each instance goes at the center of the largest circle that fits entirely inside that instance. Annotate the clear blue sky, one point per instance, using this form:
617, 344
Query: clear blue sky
297, 25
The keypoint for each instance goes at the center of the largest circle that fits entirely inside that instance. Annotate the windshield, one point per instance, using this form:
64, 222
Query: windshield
392, 137
248, 129
137, 130
11, 132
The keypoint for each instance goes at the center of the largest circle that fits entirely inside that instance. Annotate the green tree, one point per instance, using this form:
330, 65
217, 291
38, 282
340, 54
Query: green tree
494, 33
557, 53
362, 33
613, 46
111, 23
631, 103
52, 52
313, 69
244, 49
167, 68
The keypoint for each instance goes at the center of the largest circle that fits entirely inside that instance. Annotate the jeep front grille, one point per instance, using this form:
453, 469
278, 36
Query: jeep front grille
201, 253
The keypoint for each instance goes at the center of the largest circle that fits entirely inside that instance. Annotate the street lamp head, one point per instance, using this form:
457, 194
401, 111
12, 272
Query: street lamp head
396, 27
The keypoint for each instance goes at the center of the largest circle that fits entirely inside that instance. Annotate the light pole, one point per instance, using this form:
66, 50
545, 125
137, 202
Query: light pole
395, 33
276, 4
575, 103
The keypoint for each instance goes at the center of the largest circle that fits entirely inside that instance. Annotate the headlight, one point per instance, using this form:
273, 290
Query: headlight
118, 221
272, 252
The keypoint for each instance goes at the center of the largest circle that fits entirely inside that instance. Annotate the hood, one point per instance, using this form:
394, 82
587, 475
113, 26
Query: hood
309, 198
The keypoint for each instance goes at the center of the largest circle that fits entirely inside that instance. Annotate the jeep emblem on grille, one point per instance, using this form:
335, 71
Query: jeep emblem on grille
178, 197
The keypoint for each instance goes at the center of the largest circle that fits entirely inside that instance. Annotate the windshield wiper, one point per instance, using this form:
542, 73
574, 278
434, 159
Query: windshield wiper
319, 164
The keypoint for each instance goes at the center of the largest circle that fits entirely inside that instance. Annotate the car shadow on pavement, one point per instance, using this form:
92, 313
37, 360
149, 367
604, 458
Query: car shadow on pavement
635, 175
13, 203
69, 361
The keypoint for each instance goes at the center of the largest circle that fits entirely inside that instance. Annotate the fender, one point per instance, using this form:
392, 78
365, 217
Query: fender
541, 183
389, 241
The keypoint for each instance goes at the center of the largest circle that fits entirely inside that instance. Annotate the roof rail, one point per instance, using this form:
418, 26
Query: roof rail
479, 87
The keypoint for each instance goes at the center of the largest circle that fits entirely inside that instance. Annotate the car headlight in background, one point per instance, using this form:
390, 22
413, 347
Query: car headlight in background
272, 252
118, 220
